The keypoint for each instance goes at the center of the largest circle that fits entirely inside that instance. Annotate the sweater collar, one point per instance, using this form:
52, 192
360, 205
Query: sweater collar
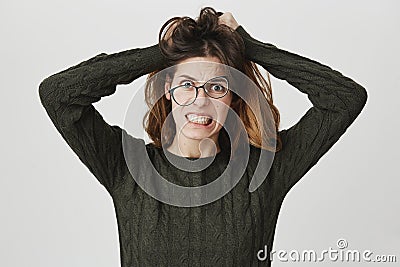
188, 171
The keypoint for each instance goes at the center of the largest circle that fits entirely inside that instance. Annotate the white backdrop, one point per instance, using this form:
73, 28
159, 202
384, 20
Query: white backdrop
55, 213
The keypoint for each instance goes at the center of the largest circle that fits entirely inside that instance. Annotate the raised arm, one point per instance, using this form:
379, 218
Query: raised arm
67, 97
337, 101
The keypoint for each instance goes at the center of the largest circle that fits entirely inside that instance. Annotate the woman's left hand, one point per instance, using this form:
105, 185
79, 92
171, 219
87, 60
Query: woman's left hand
228, 19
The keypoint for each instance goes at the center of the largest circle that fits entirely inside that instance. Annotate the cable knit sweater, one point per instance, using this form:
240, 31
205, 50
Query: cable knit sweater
231, 230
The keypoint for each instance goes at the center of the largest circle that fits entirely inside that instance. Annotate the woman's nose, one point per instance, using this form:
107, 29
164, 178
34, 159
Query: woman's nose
202, 97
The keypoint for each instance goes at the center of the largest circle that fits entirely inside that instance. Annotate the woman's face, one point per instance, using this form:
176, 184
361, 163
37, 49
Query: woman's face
205, 116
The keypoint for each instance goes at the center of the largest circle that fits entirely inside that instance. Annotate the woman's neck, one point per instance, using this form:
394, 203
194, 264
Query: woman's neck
194, 148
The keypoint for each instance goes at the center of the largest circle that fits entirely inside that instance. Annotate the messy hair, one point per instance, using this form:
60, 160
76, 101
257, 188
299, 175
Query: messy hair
206, 37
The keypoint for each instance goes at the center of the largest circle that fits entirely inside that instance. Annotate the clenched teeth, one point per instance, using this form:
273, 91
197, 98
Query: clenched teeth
198, 119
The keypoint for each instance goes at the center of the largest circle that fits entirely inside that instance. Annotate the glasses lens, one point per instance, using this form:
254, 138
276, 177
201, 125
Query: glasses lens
185, 94
217, 87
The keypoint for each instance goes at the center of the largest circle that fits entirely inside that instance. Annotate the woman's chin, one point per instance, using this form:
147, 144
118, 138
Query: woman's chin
197, 131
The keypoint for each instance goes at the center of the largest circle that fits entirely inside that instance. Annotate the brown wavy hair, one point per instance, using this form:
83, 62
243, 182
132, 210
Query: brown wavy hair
184, 38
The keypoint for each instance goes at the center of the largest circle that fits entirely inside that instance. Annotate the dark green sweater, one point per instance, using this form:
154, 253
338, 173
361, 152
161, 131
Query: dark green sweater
226, 232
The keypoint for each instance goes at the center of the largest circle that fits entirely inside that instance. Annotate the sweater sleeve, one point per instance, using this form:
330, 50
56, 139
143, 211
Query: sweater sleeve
337, 101
67, 97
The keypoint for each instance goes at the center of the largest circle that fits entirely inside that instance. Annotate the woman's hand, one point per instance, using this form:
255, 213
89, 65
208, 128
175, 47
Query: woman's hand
228, 19
168, 33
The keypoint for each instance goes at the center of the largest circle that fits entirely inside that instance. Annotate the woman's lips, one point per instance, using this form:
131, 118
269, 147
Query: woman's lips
200, 120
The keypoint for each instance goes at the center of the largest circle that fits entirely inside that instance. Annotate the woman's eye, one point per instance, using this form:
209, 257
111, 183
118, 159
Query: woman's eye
217, 87
187, 84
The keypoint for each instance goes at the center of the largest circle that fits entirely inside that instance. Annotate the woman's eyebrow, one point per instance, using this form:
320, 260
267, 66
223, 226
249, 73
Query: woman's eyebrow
189, 77
186, 76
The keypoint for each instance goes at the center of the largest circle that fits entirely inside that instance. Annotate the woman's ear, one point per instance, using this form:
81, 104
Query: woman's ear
167, 86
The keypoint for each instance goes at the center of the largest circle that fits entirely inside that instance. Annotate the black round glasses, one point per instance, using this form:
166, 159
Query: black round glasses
186, 92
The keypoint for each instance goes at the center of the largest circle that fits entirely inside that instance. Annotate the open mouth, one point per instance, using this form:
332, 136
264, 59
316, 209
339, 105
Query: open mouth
199, 119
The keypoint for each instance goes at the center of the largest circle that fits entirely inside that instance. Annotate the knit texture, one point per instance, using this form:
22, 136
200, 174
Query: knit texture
231, 230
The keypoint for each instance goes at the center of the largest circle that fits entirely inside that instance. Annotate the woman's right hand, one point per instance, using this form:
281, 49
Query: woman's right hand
168, 33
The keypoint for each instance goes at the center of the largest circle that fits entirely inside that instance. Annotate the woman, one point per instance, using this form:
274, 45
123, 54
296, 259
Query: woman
235, 228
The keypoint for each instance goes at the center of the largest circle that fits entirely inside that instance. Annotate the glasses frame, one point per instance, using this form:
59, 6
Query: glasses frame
171, 90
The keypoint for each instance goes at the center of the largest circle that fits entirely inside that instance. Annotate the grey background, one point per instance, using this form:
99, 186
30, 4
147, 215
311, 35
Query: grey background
55, 213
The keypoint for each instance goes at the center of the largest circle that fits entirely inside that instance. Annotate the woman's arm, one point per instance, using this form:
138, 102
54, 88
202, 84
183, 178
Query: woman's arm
337, 101
68, 95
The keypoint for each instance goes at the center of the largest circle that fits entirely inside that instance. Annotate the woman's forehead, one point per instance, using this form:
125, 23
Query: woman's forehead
200, 68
